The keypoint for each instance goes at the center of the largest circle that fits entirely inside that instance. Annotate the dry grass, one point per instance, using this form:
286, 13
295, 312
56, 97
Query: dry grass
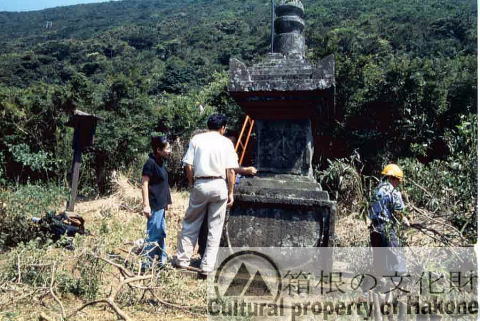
352, 231
115, 222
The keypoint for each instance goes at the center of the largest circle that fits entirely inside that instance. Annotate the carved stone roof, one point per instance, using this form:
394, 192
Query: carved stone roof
280, 73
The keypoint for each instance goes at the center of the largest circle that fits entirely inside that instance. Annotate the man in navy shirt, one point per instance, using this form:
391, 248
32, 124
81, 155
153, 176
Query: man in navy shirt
156, 199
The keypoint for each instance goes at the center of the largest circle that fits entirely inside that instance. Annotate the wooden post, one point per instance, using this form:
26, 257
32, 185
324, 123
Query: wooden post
77, 160
84, 130
273, 24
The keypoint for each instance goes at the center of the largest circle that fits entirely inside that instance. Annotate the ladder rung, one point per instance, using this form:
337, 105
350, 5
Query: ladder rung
244, 137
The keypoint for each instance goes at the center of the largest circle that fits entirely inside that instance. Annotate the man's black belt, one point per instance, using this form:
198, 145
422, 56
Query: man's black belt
208, 177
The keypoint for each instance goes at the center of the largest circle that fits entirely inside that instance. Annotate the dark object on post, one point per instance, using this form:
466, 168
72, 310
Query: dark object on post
84, 130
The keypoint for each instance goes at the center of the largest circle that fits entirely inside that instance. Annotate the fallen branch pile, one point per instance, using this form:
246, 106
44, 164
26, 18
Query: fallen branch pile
14, 291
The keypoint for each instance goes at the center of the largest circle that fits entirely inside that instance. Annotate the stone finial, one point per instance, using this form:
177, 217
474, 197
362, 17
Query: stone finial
289, 26
293, 2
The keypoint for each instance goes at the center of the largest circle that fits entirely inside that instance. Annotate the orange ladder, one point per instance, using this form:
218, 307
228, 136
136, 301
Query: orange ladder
244, 138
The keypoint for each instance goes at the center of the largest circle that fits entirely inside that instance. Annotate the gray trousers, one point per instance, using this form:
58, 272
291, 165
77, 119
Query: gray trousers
208, 197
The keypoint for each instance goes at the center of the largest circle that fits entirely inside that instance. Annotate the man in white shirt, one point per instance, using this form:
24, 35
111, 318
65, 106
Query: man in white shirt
210, 159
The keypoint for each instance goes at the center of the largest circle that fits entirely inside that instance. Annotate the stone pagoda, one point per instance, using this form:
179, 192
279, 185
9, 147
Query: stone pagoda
283, 206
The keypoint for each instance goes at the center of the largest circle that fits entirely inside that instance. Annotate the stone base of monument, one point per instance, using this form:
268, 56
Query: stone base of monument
280, 210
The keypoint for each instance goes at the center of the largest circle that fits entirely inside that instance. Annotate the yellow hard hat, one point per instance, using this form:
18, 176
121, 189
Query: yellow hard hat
393, 170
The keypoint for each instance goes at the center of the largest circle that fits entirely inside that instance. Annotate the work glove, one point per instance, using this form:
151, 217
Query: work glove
405, 221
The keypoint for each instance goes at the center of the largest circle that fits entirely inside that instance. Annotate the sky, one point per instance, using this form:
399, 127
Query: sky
28, 5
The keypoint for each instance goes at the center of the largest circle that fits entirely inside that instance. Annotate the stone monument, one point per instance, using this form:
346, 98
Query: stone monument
283, 206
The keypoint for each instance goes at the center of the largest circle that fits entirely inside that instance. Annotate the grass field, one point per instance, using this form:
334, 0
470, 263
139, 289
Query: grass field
48, 282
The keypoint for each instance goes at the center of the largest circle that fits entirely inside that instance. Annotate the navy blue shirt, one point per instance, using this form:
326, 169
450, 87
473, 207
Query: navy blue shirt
158, 188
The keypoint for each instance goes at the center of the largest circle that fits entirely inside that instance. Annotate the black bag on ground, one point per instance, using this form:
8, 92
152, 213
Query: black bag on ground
57, 225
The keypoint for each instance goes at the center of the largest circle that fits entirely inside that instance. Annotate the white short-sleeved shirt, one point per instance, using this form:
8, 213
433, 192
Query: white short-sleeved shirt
210, 154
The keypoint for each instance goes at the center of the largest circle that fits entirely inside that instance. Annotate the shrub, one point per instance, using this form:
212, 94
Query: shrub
19, 206
32, 263
175, 165
345, 184
85, 280
445, 188
449, 188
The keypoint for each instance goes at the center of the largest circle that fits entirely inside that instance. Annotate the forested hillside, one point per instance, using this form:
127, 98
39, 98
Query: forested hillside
406, 91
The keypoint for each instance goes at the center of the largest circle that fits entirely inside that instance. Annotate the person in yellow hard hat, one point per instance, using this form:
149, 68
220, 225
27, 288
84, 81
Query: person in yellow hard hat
386, 214
387, 207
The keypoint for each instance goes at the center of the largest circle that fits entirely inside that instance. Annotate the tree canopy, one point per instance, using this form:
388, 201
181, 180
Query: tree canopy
405, 73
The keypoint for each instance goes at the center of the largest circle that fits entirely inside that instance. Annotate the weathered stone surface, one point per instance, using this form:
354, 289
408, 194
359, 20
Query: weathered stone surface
280, 210
292, 190
280, 73
283, 206
285, 42
261, 226
289, 25
284, 146
286, 68
292, 7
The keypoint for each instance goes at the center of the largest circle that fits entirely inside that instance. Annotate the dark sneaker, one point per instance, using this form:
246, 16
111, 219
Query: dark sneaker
202, 275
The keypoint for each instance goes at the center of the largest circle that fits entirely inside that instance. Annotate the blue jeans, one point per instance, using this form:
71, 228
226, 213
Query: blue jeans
156, 233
